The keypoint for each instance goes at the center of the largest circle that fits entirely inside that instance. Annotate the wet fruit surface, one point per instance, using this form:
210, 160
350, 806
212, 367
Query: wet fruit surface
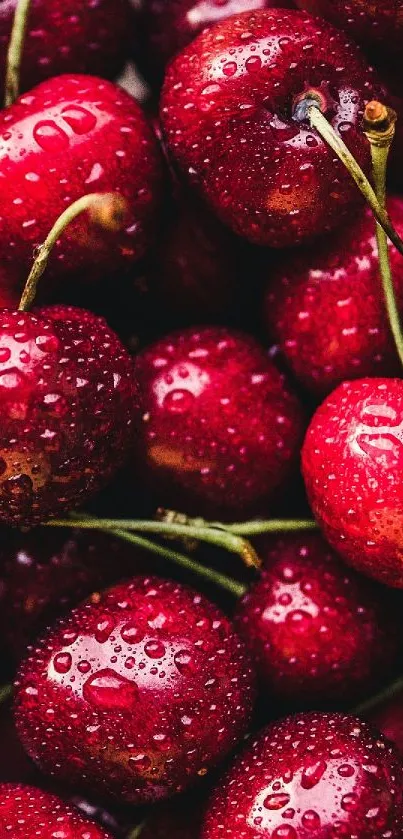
27, 812
66, 401
378, 23
352, 462
138, 693
220, 428
70, 136
318, 632
69, 37
313, 776
325, 308
229, 112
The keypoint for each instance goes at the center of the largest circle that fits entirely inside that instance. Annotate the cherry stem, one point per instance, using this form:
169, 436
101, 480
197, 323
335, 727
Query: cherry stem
15, 50
256, 527
106, 209
379, 126
384, 695
212, 535
327, 132
5, 693
137, 831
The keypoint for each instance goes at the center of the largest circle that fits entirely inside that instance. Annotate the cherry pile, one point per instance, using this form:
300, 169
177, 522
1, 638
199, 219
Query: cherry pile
201, 419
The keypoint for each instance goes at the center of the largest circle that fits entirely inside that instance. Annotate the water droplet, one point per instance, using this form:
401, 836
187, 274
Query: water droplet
183, 661
50, 137
276, 801
349, 802
253, 64
178, 401
5, 354
132, 634
79, 119
154, 649
313, 774
140, 762
286, 831
230, 68
346, 770
104, 627
62, 662
69, 636
311, 820
109, 691
83, 666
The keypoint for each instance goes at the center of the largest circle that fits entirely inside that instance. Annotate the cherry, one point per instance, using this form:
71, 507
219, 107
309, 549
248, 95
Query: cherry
377, 24
235, 107
69, 37
67, 400
71, 136
318, 632
325, 308
27, 812
179, 820
388, 718
136, 693
352, 462
220, 429
165, 28
42, 575
312, 776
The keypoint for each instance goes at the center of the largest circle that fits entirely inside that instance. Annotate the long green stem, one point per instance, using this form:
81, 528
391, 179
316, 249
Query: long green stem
327, 132
137, 831
15, 51
106, 209
380, 698
379, 122
5, 693
257, 528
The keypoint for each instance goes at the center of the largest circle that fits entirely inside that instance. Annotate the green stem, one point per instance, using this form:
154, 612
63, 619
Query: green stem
257, 528
212, 535
389, 692
107, 210
6, 692
137, 831
15, 50
380, 131
221, 580
327, 132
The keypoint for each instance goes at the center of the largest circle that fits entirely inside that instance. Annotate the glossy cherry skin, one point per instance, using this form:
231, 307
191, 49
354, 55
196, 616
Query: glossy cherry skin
312, 776
228, 107
157, 682
67, 400
220, 429
69, 37
324, 306
319, 633
166, 28
27, 812
352, 461
377, 24
42, 576
67, 137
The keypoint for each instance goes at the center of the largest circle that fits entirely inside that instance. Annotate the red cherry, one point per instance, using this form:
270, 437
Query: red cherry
352, 462
312, 776
388, 717
69, 37
235, 121
27, 812
70, 136
165, 28
325, 307
376, 24
137, 694
220, 429
318, 632
67, 399
43, 576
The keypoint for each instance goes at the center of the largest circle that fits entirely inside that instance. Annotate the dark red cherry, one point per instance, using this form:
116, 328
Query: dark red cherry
135, 694
165, 28
44, 573
388, 717
325, 308
319, 633
312, 776
352, 462
377, 24
235, 121
28, 812
220, 429
67, 400
67, 137
69, 37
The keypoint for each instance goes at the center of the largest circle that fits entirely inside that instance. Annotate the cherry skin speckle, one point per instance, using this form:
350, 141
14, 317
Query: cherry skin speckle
312, 776
42, 577
67, 137
324, 306
165, 28
27, 812
228, 113
138, 695
67, 400
318, 632
69, 37
220, 429
352, 461
377, 25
